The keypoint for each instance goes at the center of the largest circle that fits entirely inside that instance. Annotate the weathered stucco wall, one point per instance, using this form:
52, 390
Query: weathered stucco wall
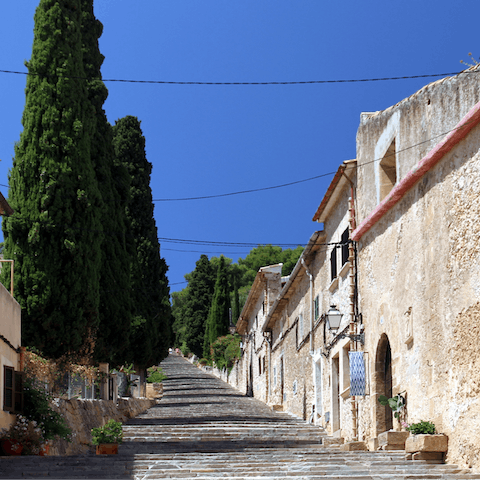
10, 329
419, 270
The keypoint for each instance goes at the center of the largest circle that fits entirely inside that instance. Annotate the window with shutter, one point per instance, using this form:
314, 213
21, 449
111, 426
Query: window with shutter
12, 390
333, 264
344, 242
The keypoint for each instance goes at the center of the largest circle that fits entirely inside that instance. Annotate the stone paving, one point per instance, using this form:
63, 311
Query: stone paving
203, 429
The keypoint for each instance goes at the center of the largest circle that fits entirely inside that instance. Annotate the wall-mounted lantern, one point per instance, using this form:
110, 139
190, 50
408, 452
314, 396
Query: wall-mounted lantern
333, 317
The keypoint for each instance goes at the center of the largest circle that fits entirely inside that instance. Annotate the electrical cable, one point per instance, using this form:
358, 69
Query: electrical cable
300, 82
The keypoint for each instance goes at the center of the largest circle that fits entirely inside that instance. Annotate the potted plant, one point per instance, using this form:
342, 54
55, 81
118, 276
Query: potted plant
24, 437
108, 437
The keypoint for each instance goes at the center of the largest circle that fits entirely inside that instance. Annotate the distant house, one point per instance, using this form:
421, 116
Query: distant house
11, 391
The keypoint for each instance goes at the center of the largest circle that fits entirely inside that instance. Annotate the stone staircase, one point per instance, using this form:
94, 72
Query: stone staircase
203, 429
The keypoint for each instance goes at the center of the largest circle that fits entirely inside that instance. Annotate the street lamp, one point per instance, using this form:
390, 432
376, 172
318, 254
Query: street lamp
334, 317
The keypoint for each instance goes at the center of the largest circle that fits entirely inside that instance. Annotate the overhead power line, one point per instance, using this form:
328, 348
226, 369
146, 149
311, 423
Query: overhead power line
295, 82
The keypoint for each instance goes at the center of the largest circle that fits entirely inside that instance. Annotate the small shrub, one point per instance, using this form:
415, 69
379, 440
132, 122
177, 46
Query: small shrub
421, 428
155, 375
203, 361
38, 408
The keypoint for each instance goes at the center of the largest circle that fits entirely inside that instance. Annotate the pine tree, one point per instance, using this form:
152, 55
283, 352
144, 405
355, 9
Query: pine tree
115, 310
199, 298
55, 233
218, 319
151, 328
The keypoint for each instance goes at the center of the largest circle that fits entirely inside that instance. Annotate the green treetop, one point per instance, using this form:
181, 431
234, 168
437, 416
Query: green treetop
218, 319
151, 332
115, 308
55, 234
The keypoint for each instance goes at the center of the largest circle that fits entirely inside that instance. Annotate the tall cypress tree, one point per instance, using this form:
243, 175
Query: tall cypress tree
151, 330
218, 319
115, 310
54, 236
199, 298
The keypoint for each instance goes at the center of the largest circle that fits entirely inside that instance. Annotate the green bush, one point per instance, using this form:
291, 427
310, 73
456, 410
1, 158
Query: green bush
421, 428
225, 350
38, 407
155, 375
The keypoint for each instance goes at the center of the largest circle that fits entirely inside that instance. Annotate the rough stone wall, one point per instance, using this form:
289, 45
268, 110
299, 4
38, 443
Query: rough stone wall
420, 272
83, 415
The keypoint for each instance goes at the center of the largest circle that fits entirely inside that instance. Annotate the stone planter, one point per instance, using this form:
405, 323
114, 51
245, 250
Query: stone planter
107, 449
154, 390
426, 447
392, 440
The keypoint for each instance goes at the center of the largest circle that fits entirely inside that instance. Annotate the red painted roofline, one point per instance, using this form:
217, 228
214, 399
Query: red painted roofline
423, 166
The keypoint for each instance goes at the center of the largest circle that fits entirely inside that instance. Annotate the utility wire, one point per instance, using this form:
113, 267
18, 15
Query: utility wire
300, 82
261, 189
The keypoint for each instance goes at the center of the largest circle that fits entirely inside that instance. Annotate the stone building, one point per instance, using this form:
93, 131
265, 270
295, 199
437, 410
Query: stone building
418, 238
11, 390
399, 258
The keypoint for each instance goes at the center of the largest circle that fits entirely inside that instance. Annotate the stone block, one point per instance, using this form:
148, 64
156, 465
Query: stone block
426, 443
393, 438
328, 441
353, 447
372, 444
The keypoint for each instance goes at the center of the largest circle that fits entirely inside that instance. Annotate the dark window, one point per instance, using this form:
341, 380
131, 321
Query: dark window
333, 263
316, 307
344, 242
12, 390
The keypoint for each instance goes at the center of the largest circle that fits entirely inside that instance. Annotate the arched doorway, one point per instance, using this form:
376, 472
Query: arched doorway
383, 385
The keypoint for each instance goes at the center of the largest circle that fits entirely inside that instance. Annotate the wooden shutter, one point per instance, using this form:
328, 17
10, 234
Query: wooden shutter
333, 263
345, 253
12, 390
8, 388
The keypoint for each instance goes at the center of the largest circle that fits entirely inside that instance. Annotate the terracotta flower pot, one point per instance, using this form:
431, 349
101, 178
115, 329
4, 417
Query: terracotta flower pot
44, 450
11, 447
107, 449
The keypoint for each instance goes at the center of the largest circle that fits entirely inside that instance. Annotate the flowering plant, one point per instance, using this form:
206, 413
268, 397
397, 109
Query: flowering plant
26, 434
111, 432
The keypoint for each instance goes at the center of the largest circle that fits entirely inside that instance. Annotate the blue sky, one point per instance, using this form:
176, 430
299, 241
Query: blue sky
206, 140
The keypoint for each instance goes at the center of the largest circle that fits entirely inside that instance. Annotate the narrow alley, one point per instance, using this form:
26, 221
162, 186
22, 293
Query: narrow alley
202, 428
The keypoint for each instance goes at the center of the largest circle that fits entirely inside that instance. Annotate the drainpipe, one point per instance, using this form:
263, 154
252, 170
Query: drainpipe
353, 344
311, 304
351, 260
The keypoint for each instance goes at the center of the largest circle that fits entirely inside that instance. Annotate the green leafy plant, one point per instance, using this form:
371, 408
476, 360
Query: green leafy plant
155, 375
38, 408
111, 432
396, 403
422, 428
